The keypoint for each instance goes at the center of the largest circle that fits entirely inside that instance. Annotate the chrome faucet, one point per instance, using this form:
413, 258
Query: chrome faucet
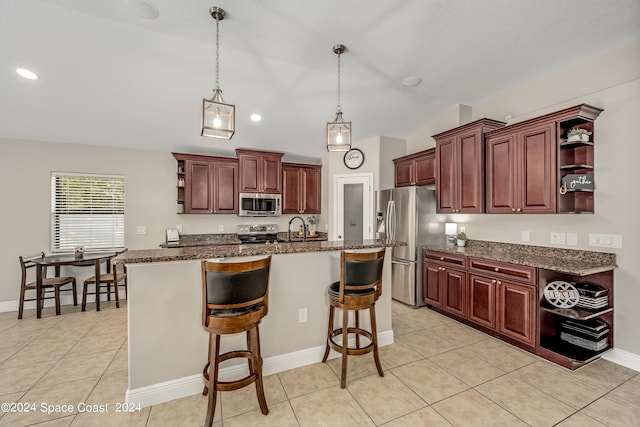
304, 228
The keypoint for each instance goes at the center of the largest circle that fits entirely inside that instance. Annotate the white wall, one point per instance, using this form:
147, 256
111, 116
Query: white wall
610, 81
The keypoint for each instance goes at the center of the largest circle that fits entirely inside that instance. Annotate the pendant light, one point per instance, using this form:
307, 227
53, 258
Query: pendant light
338, 131
218, 117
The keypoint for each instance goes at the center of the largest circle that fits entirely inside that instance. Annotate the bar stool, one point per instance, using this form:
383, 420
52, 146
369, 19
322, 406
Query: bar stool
359, 288
234, 300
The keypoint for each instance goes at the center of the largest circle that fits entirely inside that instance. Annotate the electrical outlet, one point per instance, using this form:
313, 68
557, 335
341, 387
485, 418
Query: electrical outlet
572, 239
526, 236
179, 228
557, 238
220, 227
302, 315
605, 240
141, 229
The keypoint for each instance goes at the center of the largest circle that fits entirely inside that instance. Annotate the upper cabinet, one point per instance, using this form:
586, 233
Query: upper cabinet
459, 166
532, 168
207, 184
415, 169
301, 188
260, 171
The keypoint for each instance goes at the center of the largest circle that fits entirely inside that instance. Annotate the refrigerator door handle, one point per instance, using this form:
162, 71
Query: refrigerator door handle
393, 261
391, 216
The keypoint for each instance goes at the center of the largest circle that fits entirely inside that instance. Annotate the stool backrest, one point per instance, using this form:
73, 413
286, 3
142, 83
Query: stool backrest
361, 271
228, 285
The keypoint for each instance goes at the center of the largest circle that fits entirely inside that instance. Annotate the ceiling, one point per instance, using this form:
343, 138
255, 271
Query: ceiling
109, 77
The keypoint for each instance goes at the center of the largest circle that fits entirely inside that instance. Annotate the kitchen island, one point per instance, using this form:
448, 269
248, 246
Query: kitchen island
167, 343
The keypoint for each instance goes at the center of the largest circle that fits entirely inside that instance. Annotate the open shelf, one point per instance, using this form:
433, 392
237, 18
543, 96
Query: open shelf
575, 144
575, 167
576, 313
566, 354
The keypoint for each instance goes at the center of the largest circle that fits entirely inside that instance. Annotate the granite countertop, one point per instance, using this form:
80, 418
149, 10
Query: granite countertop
572, 261
190, 240
238, 250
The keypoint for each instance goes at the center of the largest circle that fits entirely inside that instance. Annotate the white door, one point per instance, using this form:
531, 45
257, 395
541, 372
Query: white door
353, 207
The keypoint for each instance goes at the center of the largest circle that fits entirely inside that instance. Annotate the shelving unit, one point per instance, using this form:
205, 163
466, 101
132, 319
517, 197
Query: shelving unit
550, 318
576, 157
180, 186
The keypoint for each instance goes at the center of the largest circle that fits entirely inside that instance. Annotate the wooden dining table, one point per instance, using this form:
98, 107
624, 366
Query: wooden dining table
88, 259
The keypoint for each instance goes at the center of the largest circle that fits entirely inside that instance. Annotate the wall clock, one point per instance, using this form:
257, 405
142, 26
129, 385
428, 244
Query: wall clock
353, 158
561, 294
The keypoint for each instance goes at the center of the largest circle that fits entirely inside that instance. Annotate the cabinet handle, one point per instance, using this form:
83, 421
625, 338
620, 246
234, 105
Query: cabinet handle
499, 282
513, 209
518, 209
496, 269
441, 258
494, 281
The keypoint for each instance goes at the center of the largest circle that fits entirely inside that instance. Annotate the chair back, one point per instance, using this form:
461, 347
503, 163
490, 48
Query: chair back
361, 272
234, 285
27, 262
118, 269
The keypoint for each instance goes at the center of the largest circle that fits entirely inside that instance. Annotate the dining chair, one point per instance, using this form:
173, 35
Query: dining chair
50, 285
117, 275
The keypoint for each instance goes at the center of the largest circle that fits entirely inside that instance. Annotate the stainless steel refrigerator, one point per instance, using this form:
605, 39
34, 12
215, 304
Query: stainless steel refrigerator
408, 214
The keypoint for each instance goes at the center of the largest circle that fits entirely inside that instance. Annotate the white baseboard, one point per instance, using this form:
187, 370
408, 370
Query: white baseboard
65, 299
193, 384
624, 358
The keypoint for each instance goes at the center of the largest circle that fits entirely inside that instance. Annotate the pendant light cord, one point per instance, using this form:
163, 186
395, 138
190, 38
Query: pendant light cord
339, 110
217, 54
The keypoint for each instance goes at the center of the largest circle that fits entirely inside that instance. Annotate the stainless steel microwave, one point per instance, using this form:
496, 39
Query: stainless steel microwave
260, 204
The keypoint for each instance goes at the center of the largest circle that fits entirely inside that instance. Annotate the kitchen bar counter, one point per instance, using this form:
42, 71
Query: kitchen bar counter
572, 261
227, 250
168, 345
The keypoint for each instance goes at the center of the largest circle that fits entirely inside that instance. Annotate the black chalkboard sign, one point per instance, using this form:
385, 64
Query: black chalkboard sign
578, 182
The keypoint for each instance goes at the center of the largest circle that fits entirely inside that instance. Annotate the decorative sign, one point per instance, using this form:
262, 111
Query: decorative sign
578, 181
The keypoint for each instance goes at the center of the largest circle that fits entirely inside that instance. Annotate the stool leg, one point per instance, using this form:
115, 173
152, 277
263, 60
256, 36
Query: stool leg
374, 338
357, 316
213, 379
345, 347
257, 365
329, 331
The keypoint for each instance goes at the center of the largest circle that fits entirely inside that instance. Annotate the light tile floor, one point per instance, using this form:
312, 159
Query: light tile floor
438, 372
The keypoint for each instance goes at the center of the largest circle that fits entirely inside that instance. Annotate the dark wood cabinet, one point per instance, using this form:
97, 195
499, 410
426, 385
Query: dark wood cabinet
260, 171
445, 282
482, 301
459, 164
207, 185
525, 167
516, 304
415, 169
301, 188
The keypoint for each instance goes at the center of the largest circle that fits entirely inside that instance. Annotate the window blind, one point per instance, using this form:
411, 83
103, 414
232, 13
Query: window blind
86, 210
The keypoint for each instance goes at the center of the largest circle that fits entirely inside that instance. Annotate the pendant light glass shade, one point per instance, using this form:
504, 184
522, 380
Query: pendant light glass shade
218, 119
338, 134
338, 131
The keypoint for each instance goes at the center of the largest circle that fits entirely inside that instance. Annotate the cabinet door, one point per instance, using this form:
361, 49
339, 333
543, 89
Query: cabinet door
199, 186
225, 187
404, 173
501, 174
312, 190
536, 160
470, 172
482, 301
250, 169
271, 173
424, 167
446, 175
291, 190
431, 284
454, 291
516, 311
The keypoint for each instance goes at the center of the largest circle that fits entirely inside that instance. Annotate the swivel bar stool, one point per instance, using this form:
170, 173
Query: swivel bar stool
234, 300
359, 288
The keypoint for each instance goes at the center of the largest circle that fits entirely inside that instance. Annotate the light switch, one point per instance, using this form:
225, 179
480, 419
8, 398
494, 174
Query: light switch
572, 239
141, 229
526, 236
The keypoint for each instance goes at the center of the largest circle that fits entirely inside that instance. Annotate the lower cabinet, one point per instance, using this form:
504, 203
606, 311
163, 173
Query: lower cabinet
516, 304
445, 283
482, 301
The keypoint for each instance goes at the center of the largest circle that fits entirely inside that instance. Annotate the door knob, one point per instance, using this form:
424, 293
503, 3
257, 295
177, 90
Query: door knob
339, 236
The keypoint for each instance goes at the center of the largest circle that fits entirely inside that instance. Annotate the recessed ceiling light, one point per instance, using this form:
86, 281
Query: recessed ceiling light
143, 9
27, 74
256, 117
412, 81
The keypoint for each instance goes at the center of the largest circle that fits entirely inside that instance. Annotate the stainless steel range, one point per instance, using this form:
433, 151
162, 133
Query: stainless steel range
258, 233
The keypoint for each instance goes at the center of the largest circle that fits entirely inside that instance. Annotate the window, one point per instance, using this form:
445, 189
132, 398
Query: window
86, 210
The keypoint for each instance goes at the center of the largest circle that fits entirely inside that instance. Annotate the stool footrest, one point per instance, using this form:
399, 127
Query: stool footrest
235, 385
352, 351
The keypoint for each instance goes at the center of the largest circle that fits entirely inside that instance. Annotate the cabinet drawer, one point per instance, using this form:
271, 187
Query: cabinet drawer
450, 260
502, 269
